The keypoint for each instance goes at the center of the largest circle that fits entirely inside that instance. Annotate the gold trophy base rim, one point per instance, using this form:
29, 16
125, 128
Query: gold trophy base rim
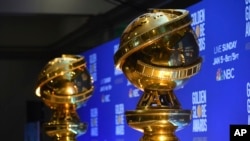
158, 124
140, 119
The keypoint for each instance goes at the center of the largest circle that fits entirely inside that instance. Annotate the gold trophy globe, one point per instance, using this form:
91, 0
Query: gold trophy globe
64, 85
158, 53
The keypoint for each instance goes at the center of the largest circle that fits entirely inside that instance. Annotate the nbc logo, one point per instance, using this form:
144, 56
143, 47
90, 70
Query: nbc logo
225, 74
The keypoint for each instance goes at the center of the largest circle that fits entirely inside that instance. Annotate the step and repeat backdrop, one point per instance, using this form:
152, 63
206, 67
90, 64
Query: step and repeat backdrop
219, 95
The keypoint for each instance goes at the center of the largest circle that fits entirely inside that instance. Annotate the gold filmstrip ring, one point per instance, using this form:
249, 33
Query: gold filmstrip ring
168, 73
77, 98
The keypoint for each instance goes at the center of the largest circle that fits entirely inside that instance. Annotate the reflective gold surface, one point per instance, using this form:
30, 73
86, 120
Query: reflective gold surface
158, 53
64, 85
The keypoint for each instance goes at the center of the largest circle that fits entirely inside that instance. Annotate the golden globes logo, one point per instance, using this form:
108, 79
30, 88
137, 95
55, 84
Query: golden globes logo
94, 122
247, 18
248, 101
92, 65
199, 27
119, 119
199, 101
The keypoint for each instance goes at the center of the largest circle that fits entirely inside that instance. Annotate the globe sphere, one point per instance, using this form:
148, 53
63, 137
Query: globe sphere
65, 81
159, 50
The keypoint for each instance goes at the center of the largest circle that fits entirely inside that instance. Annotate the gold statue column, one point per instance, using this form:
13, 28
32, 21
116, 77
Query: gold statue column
158, 53
64, 85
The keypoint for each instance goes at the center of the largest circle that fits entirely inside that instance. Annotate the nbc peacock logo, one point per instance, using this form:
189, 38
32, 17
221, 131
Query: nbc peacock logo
225, 74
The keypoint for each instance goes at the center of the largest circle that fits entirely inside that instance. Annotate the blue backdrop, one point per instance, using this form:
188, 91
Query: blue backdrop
219, 94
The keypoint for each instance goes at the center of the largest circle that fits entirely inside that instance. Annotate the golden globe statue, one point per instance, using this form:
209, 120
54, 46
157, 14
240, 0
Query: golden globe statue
64, 84
158, 53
